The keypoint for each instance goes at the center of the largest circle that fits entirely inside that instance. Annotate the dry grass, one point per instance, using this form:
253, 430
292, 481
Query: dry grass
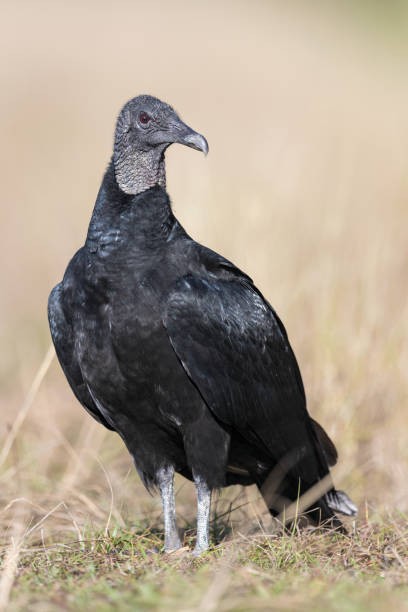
305, 188
124, 568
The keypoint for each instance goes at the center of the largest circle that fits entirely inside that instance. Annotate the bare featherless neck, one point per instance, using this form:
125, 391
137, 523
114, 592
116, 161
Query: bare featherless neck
136, 171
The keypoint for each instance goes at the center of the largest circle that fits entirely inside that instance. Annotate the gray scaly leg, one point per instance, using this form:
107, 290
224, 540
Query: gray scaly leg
165, 477
203, 515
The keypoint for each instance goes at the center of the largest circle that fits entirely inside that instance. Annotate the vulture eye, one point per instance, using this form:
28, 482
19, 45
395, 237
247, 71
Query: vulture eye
144, 118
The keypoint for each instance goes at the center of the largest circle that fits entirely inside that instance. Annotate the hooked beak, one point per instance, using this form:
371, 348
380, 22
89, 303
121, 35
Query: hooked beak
186, 136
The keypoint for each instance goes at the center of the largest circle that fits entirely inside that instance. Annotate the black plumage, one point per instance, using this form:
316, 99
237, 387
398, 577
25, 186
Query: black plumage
173, 347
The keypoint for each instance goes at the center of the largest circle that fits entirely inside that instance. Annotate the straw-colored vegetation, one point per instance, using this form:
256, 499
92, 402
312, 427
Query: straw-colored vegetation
305, 188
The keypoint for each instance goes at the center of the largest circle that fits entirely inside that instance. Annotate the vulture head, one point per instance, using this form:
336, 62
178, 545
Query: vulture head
145, 128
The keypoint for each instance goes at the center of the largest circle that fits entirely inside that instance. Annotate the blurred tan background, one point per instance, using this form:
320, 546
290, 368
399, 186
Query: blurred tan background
304, 106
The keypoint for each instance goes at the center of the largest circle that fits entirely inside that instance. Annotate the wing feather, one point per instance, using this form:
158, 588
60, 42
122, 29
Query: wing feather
236, 351
62, 337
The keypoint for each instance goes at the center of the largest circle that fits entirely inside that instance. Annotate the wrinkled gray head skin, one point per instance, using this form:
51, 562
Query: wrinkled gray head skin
145, 128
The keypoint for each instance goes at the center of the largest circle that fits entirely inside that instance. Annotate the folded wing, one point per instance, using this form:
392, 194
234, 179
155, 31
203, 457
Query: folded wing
235, 350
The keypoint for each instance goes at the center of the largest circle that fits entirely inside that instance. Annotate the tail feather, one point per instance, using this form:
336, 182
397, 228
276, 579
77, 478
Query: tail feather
339, 501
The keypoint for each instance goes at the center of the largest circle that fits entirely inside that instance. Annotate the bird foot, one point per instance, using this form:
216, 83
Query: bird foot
199, 550
173, 545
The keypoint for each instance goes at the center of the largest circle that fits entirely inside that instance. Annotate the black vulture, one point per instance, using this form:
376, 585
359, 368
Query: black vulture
173, 347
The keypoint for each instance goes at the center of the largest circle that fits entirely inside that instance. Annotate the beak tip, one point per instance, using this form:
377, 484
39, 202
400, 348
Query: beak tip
197, 141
